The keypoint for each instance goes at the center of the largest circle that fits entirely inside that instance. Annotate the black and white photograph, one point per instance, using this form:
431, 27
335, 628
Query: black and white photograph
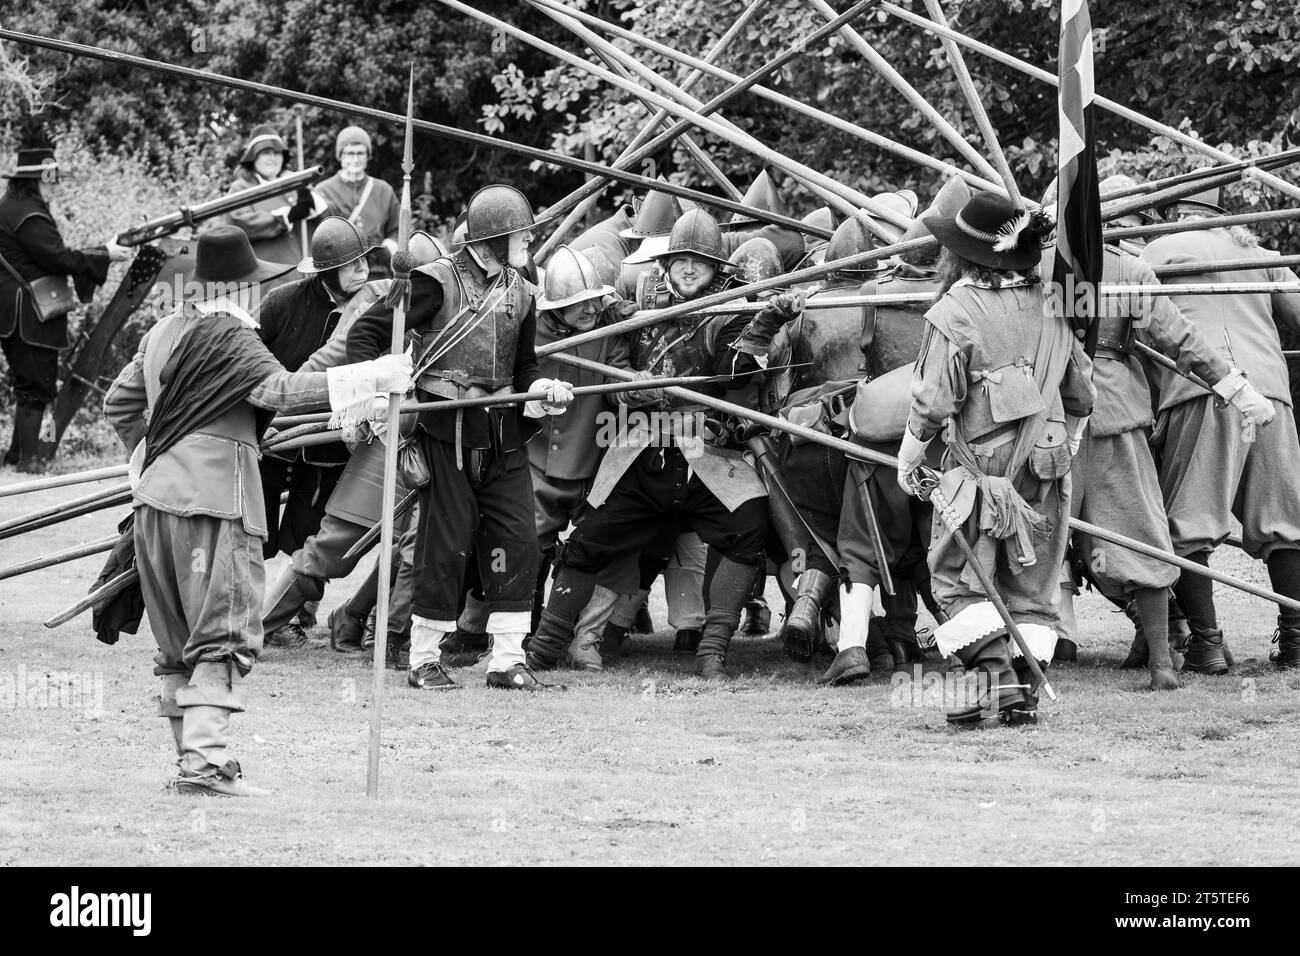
652, 433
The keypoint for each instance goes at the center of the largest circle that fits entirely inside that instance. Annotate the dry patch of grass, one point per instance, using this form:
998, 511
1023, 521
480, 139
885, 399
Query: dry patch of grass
646, 764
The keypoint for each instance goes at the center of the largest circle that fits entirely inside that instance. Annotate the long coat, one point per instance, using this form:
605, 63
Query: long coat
31, 244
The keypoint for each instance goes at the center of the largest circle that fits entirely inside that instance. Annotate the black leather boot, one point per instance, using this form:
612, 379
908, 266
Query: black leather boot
687, 640
1287, 653
1204, 654
997, 688
27, 435
799, 633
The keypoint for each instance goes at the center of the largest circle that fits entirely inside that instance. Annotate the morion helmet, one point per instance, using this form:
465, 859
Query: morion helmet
336, 242
496, 211
697, 233
570, 278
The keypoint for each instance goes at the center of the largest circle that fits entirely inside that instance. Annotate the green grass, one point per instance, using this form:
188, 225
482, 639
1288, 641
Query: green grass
646, 764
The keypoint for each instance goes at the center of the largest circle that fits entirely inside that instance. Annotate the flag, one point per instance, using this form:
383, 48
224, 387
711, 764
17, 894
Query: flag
1079, 254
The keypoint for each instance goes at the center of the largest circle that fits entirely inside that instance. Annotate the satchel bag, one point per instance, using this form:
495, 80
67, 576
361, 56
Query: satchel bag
52, 296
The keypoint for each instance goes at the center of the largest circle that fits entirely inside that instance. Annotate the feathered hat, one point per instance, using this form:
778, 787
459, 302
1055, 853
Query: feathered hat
991, 231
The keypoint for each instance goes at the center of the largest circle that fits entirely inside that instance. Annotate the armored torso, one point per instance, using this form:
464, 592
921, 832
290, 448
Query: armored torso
474, 338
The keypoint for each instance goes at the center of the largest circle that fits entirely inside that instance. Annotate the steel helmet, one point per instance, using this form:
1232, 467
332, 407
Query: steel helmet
424, 248
697, 233
850, 239
336, 242
570, 278
656, 216
496, 211
761, 194
757, 259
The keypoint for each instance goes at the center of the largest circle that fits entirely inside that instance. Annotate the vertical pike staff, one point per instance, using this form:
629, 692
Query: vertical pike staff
302, 223
398, 298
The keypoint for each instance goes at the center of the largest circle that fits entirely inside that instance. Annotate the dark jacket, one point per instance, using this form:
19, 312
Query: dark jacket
31, 244
294, 321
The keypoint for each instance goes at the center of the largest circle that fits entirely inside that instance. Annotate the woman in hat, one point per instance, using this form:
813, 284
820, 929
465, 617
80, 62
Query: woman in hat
272, 223
30, 249
1000, 368
189, 408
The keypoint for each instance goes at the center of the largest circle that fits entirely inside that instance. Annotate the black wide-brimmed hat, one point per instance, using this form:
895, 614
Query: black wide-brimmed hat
991, 231
225, 258
263, 137
35, 164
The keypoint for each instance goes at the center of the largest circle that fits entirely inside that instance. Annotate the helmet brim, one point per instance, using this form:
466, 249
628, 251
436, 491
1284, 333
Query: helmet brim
309, 266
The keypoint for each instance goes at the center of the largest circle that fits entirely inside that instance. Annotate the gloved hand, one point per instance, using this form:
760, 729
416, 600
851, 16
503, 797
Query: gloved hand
779, 310
911, 454
300, 210
1254, 407
642, 396
619, 309
392, 373
558, 396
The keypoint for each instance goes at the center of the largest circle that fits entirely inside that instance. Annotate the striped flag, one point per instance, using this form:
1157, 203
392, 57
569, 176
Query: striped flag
1079, 254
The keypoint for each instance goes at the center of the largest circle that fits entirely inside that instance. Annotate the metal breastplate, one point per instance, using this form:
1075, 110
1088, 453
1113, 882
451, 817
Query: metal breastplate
475, 336
899, 328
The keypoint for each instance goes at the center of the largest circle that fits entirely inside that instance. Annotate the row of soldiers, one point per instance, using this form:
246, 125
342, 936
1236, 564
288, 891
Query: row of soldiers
1033, 430
832, 516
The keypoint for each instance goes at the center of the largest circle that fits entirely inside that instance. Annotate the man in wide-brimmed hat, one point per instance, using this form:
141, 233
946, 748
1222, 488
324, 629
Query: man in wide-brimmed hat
1011, 383
272, 224
1217, 464
31, 249
190, 407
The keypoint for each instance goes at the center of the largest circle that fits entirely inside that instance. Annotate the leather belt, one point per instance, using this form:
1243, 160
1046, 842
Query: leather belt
444, 386
1113, 349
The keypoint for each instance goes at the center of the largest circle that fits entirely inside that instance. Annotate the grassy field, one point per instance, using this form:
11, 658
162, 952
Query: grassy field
644, 764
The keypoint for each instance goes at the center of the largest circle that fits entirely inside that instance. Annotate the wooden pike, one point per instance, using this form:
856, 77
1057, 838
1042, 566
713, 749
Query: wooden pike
402, 271
622, 64
1225, 265
918, 102
581, 198
95, 498
60, 481
1197, 224
608, 50
973, 100
518, 398
1243, 166
771, 156
105, 592
59, 557
1161, 197
834, 122
1029, 69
